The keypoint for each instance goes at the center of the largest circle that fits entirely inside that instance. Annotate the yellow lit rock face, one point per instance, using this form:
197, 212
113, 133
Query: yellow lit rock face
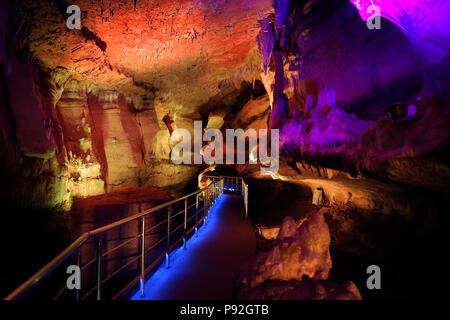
215, 119
87, 187
161, 144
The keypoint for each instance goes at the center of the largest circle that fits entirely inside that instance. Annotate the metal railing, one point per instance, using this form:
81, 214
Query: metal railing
198, 210
234, 184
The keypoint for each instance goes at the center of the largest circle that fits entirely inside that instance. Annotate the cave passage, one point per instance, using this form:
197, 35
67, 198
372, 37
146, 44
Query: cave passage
209, 265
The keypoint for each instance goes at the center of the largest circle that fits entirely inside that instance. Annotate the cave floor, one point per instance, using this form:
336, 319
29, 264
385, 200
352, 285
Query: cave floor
209, 266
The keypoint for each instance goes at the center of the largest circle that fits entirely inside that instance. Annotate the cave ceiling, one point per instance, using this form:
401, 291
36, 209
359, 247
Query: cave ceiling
179, 49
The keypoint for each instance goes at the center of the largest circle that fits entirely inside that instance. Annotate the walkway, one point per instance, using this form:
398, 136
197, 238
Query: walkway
208, 267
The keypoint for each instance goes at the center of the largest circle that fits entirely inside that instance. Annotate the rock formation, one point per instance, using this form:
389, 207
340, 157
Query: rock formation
292, 268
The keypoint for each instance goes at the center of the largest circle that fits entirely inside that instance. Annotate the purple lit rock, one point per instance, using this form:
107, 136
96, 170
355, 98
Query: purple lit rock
424, 22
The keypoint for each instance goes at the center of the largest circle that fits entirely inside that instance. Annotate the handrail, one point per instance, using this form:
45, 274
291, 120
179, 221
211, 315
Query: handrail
60, 258
124, 221
237, 185
45, 271
222, 177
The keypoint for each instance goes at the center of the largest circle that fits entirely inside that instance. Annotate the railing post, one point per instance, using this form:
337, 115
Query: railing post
206, 205
185, 222
77, 291
143, 257
168, 238
196, 213
218, 188
246, 199
209, 198
99, 268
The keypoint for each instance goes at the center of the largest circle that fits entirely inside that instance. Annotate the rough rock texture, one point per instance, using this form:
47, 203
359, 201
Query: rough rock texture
145, 47
367, 217
91, 111
328, 87
413, 152
363, 78
296, 267
423, 21
369, 69
253, 115
299, 251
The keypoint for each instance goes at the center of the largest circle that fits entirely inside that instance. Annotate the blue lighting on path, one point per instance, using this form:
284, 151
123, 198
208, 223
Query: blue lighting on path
180, 259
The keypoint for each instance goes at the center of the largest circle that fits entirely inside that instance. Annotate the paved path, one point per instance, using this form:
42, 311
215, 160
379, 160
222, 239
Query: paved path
211, 262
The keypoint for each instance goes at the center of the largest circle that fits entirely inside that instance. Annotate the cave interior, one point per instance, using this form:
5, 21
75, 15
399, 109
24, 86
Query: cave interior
360, 102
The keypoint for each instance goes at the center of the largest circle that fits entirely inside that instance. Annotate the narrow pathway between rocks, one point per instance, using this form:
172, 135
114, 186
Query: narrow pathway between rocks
211, 262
